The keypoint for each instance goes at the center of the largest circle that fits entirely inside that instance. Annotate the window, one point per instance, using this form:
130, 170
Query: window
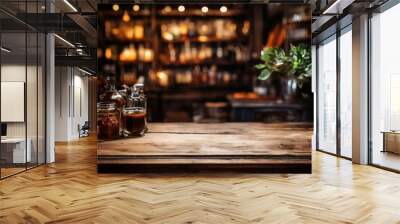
385, 89
327, 96
346, 93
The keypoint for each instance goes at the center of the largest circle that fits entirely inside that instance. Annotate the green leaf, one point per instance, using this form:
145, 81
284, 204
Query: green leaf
265, 74
265, 55
261, 66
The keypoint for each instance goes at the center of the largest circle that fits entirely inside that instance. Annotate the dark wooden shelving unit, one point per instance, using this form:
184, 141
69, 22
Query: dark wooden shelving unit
154, 18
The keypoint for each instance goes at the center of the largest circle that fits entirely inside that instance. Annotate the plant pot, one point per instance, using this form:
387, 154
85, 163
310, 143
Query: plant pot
289, 87
265, 87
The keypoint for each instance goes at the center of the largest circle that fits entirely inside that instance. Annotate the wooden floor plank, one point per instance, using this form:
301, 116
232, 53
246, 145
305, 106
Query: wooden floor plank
71, 191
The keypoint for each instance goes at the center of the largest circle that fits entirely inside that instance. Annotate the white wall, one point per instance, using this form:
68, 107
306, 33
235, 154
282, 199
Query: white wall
80, 111
33, 127
12, 73
61, 103
71, 102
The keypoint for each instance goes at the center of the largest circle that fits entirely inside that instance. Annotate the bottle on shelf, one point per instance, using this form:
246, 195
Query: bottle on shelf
212, 75
172, 53
141, 52
129, 54
220, 52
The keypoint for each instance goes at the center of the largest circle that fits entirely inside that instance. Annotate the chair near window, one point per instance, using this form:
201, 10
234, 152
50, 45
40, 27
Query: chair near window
84, 129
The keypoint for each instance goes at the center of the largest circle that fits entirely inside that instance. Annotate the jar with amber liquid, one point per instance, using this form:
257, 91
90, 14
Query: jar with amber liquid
108, 121
111, 95
139, 89
134, 121
134, 115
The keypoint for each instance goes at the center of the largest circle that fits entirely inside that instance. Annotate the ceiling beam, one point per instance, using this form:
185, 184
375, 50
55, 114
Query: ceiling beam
86, 27
337, 7
78, 61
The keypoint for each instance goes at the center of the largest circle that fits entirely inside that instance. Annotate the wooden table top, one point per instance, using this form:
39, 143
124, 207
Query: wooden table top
217, 139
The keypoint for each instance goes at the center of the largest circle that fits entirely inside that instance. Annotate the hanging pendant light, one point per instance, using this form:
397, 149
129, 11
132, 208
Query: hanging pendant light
126, 17
136, 8
223, 9
115, 7
181, 8
204, 9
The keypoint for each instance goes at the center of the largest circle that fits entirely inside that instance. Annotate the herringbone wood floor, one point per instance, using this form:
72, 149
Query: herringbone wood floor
71, 191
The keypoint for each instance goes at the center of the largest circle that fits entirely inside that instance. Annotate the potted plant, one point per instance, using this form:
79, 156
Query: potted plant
293, 69
274, 68
275, 62
301, 69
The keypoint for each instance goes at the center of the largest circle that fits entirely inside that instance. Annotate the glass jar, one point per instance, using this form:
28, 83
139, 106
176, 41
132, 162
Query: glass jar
143, 99
139, 88
111, 95
108, 121
134, 121
134, 115
137, 97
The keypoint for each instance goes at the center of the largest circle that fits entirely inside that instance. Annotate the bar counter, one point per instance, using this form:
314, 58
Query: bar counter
253, 147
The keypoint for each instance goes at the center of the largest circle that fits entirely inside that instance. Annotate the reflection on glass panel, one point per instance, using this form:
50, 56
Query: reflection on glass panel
31, 97
385, 104
346, 94
32, 83
15, 150
327, 96
41, 98
22, 89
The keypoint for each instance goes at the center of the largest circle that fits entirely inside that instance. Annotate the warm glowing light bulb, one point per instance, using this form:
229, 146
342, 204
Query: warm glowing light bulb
223, 9
181, 8
136, 8
108, 53
126, 17
167, 9
115, 7
204, 9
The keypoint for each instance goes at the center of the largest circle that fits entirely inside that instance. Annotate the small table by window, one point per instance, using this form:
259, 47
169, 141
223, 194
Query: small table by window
391, 141
13, 150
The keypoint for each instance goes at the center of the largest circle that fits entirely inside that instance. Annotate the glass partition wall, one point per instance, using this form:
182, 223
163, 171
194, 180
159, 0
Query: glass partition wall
22, 77
334, 94
385, 89
326, 59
